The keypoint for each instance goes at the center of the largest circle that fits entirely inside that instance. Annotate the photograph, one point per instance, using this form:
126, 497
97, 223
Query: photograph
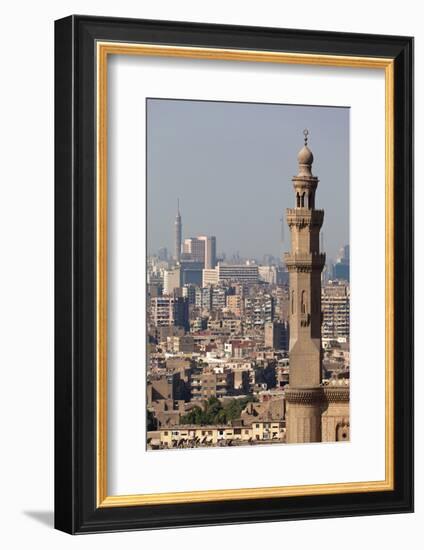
248, 274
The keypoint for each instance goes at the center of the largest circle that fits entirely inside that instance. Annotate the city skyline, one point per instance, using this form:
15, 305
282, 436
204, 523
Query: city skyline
230, 190
236, 352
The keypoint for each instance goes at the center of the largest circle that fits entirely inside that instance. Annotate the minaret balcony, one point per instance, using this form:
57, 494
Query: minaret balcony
304, 261
303, 217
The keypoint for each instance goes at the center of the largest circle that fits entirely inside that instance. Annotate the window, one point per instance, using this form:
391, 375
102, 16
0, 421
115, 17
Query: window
303, 303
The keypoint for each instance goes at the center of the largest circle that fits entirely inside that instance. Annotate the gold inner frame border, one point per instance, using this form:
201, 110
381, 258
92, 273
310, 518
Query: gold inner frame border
103, 50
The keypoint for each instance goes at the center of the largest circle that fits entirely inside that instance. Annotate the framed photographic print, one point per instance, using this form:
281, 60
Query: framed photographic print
233, 274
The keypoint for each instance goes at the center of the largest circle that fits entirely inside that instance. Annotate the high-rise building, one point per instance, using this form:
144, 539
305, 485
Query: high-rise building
335, 310
211, 297
210, 277
258, 310
194, 250
171, 280
204, 298
178, 233
282, 304
189, 292
268, 274
191, 272
235, 304
276, 334
210, 251
201, 249
231, 273
169, 310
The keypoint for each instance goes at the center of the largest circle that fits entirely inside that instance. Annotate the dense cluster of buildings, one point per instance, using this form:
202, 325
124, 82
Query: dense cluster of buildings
232, 345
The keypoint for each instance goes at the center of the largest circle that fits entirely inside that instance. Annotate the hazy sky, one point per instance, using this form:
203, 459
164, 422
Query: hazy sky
231, 165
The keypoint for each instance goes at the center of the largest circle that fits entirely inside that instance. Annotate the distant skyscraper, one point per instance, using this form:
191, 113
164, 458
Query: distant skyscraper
200, 249
342, 266
210, 251
178, 233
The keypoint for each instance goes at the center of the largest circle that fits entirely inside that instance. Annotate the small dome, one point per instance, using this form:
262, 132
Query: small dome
305, 156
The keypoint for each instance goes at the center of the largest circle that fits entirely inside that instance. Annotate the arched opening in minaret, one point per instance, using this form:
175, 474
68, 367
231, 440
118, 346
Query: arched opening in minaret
292, 301
303, 304
311, 200
297, 200
302, 200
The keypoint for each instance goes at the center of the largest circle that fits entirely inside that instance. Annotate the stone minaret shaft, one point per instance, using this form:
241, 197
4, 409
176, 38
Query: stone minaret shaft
178, 233
305, 263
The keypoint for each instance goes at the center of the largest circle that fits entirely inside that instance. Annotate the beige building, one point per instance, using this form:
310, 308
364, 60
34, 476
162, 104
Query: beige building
168, 412
268, 274
335, 415
210, 277
171, 280
181, 344
168, 386
195, 436
235, 304
208, 384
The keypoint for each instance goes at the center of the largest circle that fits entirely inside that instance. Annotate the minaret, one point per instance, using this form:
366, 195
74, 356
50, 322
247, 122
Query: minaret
304, 395
178, 233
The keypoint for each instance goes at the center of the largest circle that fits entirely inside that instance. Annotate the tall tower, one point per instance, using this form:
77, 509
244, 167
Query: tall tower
305, 395
178, 233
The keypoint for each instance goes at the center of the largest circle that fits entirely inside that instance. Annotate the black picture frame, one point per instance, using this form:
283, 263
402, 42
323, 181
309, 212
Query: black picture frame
76, 510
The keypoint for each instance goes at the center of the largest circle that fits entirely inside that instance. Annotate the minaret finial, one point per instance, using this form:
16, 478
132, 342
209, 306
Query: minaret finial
306, 134
178, 206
